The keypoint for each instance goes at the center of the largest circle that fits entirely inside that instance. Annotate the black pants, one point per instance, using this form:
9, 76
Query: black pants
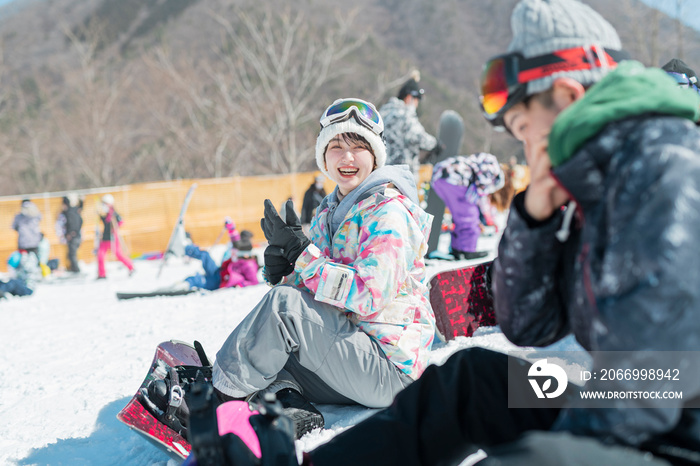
451, 412
72, 257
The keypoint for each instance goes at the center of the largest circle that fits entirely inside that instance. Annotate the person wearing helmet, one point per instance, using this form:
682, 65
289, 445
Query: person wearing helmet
111, 221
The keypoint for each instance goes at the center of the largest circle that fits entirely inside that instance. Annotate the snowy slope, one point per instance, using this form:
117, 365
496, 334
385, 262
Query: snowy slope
74, 356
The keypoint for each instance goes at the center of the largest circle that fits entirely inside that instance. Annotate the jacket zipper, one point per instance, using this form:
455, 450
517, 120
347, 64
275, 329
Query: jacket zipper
585, 249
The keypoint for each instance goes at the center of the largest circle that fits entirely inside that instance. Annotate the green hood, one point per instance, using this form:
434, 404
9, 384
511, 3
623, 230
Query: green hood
629, 90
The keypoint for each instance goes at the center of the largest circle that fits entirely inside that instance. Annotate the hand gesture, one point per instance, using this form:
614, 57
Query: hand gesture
544, 195
276, 265
286, 235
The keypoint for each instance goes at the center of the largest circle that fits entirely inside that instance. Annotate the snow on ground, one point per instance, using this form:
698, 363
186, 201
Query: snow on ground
74, 355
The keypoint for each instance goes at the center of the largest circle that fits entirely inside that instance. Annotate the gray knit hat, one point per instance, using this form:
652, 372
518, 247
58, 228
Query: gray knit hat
544, 26
348, 126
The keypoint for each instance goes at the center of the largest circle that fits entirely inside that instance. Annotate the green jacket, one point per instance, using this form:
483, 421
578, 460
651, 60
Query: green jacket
629, 90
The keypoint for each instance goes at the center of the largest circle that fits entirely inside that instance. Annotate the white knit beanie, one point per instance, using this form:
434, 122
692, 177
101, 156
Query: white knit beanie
348, 126
544, 26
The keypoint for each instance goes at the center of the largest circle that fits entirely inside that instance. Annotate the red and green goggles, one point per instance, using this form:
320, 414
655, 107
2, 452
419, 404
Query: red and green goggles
504, 78
364, 113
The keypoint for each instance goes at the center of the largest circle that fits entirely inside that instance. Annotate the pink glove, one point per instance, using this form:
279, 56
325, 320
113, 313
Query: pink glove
231, 229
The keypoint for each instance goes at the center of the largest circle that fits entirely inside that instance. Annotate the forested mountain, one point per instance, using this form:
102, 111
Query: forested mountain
107, 92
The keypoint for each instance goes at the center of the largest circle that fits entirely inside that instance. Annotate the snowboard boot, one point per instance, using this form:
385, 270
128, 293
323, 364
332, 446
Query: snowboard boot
165, 399
303, 414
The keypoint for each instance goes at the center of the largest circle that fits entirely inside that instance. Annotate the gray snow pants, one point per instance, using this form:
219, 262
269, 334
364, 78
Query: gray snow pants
291, 336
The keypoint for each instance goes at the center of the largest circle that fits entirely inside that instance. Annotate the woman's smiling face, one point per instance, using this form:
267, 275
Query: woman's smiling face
348, 162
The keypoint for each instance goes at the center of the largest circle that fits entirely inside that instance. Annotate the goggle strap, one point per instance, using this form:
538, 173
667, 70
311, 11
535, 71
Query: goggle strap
577, 58
354, 115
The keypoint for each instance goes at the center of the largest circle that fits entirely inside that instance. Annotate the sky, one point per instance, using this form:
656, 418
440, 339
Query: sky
690, 10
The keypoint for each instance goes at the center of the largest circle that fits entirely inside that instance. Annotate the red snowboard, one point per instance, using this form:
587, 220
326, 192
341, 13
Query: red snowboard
168, 354
461, 302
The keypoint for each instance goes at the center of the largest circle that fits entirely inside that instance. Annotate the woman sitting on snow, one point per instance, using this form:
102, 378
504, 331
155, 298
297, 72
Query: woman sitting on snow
348, 320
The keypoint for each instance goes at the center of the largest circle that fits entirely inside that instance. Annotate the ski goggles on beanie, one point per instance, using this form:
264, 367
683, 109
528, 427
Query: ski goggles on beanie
364, 113
504, 78
683, 80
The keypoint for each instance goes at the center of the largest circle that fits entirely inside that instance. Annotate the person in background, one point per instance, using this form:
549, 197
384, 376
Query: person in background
499, 201
682, 74
14, 287
68, 228
43, 253
27, 225
25, 273
463, 182
404, 135
239, 267
111, 221
312, 199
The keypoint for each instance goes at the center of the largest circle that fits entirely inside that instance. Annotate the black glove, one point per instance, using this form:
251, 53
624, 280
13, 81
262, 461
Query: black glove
287, 236
433, 154
276, 265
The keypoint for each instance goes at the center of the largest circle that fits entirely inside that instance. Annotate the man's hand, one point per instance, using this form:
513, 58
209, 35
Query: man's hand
544, 195
286, 235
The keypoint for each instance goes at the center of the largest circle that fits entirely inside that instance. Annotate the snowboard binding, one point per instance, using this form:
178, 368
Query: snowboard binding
165, 397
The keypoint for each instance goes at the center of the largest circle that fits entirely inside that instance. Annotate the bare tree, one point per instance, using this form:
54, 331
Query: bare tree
6, 151
644, 27
99, 134
193, 124
25, 136
275, 65
679, 27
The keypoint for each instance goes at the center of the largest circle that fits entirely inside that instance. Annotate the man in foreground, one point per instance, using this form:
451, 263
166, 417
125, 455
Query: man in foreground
603, 244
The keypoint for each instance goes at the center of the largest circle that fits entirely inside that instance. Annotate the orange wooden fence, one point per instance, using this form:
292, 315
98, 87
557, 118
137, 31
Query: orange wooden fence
150, 210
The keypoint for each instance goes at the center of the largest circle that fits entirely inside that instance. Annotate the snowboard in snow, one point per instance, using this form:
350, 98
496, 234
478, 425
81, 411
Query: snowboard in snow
135, 415
151, 294
461, 301
176, 243
450, 134
67, 277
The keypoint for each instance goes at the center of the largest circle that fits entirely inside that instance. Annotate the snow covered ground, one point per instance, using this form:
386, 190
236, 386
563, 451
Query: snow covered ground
74, 355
